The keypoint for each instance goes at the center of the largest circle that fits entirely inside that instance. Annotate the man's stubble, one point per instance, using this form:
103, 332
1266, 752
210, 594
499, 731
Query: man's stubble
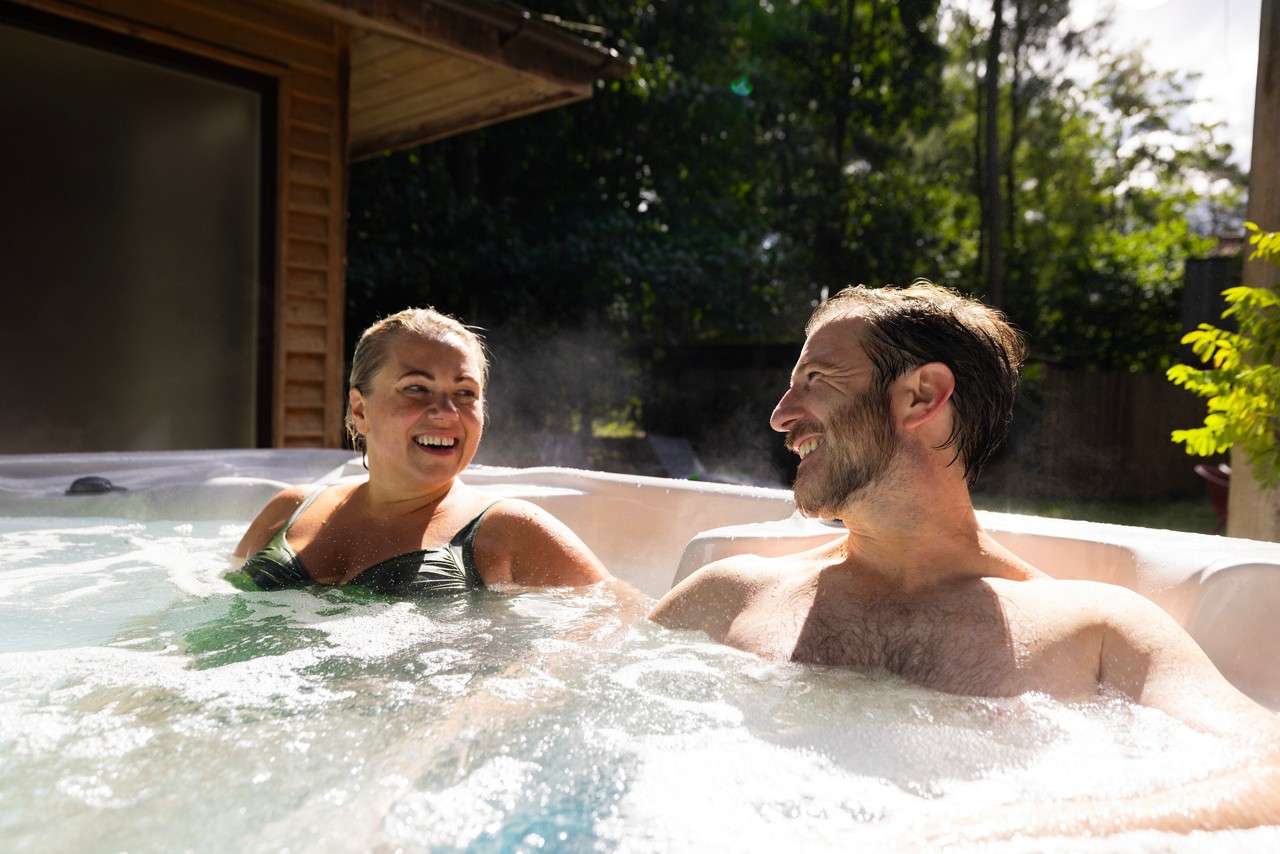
859, 445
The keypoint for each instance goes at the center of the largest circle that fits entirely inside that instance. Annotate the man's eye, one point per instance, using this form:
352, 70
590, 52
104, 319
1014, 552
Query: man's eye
811, 376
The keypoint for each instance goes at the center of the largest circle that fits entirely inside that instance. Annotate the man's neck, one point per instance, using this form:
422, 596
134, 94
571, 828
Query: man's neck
920, 533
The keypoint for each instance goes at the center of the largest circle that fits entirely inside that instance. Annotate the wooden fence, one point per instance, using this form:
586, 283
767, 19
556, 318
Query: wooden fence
1099, 435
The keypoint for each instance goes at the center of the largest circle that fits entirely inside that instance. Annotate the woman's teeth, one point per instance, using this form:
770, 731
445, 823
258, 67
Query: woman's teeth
436, 441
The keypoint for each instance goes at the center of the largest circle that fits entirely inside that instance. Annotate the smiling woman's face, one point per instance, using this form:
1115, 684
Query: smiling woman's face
424, 412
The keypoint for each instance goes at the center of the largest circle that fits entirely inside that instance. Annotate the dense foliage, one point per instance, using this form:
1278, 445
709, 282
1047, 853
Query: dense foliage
763, 152
1242, 382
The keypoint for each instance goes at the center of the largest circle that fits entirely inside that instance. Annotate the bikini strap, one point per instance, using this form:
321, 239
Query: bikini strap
306, 502
465, 539
467, 533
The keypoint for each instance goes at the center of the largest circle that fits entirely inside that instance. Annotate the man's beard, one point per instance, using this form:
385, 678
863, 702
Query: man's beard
857, 448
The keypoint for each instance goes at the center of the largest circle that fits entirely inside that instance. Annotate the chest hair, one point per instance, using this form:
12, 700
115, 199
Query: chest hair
958, 643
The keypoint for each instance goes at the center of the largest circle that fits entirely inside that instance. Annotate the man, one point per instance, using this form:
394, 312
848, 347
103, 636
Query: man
898, 399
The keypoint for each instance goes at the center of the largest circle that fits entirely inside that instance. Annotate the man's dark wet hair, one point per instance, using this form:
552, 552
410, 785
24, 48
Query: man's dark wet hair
907, 327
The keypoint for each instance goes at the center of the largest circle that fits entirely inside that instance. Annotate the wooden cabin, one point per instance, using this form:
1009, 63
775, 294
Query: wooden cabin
175, 205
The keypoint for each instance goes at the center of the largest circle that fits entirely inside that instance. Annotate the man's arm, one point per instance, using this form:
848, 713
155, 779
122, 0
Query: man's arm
709, 600
1148, 657
1152, 660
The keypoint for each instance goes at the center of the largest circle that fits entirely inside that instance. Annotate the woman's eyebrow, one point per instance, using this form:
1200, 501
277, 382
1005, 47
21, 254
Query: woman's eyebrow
421, 373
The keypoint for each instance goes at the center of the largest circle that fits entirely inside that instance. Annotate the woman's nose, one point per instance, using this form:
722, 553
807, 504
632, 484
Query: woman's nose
442, 402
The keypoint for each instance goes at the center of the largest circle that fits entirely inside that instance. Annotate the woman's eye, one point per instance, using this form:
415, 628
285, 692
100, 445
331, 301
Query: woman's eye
415, 389
466, 394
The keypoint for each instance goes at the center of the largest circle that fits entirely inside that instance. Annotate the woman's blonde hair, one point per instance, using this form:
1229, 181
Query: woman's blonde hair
371, 350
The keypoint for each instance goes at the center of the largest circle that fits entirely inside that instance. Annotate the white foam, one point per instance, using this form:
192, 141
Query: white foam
335, 722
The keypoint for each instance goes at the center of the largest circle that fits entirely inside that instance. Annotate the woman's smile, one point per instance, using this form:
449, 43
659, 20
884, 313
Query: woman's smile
437, 445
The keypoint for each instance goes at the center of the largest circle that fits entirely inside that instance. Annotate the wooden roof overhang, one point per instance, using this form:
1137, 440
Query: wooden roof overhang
423, 70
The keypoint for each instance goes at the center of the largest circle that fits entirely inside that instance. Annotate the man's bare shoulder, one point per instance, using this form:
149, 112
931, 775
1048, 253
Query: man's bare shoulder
1150, 657
1093, 601
745, 573
710, 599
1074, 592
1143, 652
1071, 604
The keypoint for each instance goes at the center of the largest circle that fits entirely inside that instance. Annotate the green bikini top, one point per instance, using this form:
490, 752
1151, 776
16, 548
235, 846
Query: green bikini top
444, 569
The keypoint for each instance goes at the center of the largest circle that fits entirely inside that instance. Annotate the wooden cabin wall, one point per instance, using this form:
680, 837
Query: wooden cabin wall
308, 55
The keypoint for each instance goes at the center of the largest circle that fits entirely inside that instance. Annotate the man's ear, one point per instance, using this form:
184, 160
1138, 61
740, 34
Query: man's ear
924, 391
356, 400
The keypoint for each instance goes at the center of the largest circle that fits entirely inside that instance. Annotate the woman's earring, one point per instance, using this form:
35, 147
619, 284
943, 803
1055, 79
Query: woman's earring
362, 446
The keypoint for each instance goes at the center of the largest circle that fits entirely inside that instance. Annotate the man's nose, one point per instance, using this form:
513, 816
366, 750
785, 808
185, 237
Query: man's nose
786, 412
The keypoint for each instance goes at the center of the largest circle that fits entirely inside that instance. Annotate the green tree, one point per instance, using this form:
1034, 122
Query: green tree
763, 152
1242, 380
1105, 182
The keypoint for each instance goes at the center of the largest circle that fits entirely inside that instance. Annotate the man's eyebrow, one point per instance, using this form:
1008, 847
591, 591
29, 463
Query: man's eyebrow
819, 364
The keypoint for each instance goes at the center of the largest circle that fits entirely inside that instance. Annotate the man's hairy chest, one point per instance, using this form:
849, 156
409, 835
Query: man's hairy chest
963, 642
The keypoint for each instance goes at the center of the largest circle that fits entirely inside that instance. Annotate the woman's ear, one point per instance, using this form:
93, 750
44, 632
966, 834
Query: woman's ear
356, 401
925, 391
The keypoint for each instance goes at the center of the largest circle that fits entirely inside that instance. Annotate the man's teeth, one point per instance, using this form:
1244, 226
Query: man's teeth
436, 441
806, 448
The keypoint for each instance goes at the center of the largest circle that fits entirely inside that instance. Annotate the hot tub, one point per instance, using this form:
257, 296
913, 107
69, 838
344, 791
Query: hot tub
147, 705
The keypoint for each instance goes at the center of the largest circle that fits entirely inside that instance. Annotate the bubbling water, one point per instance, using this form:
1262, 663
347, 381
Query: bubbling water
147, 705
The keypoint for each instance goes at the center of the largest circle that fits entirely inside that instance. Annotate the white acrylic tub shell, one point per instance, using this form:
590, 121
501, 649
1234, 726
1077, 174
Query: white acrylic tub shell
653, 532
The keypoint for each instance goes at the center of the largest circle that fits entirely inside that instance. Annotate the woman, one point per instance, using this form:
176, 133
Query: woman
416, 408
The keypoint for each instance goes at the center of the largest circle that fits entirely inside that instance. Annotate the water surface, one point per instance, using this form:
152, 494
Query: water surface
147, 705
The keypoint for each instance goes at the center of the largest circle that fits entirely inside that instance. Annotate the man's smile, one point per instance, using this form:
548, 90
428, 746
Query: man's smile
808, 446
804, 445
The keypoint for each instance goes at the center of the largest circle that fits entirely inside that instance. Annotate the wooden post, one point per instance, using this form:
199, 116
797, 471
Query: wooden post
1254, 513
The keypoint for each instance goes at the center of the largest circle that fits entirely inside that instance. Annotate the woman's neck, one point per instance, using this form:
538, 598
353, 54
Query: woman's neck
384, 496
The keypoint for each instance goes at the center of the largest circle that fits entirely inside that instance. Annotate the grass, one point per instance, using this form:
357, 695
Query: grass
1194, 515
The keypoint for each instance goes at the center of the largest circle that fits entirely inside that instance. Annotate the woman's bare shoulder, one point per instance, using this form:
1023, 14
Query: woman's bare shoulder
518, 512
270, 519
289, 498
534, 547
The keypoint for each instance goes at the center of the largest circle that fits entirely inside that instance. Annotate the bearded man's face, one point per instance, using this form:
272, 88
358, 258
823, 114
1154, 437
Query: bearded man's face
858, 446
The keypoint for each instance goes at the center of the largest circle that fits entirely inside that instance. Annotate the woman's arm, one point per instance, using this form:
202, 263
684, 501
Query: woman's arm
270, 519
521, 543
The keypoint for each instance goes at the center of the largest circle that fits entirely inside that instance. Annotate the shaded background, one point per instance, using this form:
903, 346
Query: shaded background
644, 262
